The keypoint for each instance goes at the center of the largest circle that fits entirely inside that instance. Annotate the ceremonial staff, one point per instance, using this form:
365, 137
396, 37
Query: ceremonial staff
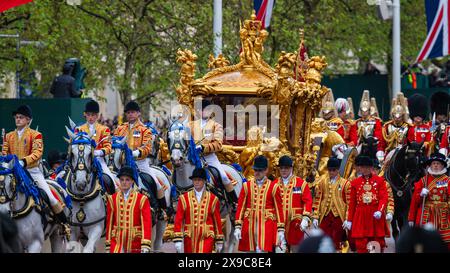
423, 200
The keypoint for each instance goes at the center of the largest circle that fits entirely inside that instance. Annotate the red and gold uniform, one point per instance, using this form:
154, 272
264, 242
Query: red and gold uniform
297, 203
366, 197
330, 206
102, 133
29, 147
371, 126
389, 140
444, 141
260, 215
128, 223
199, 224
419, 133
347, 130
436, 209
138, 137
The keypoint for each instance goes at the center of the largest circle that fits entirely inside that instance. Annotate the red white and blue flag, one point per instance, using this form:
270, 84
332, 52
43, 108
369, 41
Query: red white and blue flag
437, 41
8, 4
263, 10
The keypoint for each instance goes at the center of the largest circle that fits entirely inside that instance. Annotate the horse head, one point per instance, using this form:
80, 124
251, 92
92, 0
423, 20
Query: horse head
154, 141
177, 141
118, 153
80, 158
7, 187
413, 153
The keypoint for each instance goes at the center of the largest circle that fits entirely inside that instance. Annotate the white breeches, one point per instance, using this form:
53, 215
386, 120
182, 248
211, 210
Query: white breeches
144, 166
37, 176
212, 160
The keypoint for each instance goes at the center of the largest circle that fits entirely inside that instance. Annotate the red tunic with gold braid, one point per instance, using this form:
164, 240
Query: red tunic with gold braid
297, 202
345, 128
138, 137
102, 136
436, 209
198, 223
366, 197
419, 133
260, 214
128, 223
29, 147
374, 128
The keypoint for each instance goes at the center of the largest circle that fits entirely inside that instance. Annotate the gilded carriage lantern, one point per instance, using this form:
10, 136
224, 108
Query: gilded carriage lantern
252, 88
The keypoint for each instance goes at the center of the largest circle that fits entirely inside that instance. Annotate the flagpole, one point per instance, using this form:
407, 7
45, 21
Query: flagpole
217, 27
396, 54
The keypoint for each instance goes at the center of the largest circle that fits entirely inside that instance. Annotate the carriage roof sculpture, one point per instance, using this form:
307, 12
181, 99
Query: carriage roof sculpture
252, 78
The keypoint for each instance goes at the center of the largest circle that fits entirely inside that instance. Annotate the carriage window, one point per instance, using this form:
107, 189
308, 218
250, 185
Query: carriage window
242, 112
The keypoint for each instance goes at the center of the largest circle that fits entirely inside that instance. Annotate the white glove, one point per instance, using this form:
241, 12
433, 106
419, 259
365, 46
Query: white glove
411, 223
424, 192
316, 223
443, 151
281, 238
178, 246
136, 153
389, 217
219, 247
237, 234
304, 224
380, 156
22, 164
377, 215
347, 225
145, 250
98, 153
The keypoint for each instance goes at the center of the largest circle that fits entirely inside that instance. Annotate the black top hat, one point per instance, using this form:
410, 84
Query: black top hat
92, 107
132, 106
23, 110
437, 157
333, 163
285, 161
198, 173
260, 163
126, 171
362, 160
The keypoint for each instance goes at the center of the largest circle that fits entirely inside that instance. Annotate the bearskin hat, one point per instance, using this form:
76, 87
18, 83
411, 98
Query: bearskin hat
440, 103
418, 106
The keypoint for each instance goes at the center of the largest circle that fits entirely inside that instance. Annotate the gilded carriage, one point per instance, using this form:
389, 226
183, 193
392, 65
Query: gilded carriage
253, 88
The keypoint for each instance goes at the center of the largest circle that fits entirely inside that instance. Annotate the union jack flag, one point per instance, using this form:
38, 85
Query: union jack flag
263, 9
437, 42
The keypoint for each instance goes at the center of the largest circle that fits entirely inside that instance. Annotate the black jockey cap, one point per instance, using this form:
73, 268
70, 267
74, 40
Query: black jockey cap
126, 171
260, 163
285, 161
362, 160
333, 163
198, 173
92, 107
132, 106
23, 110
437, 157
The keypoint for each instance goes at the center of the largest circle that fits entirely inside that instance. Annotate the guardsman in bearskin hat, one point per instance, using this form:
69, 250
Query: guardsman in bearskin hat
395, 131
27, 144
297, 202
430, 201
420, 131
439, 105
208, 135
367, 206
369, 125
128, 217
330, 202
259, 224
100, 133
346, 127
197, 222
139, 141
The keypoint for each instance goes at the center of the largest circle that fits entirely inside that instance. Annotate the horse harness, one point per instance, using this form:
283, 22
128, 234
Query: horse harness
400, 190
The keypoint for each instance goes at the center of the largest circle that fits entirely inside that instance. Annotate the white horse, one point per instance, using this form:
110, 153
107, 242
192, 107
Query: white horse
34, 222
179, 147
148, 187
84, 186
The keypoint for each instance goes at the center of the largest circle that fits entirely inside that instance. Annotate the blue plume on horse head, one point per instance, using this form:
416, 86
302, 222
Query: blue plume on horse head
152, 128
118, 143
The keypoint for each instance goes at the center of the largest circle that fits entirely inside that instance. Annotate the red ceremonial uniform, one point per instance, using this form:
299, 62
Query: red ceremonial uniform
297, 202
419, 133
374, 129
436, 209
444, 143
260, 215
366, 197
128, 223
198, 223
347, 130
